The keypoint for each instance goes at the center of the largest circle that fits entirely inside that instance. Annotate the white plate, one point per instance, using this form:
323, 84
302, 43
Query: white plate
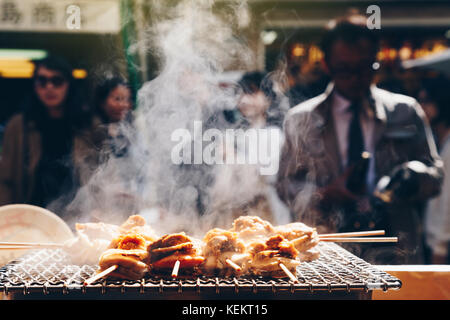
27, 223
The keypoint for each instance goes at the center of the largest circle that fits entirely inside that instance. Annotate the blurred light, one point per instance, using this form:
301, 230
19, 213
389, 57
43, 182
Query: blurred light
23, 54
298, 50
447, 34
387, 54
16, 68
376, 65
17, 73
79, 73
16, 63
268, 37
315, 54
392, 54
419, 53
405, 53
438, 47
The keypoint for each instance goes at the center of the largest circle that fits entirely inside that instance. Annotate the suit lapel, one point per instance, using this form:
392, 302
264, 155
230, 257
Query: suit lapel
380, 115
379, 129
328, 132
328, 135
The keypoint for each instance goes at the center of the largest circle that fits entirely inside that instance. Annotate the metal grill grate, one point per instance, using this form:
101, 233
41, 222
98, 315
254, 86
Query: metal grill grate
46, 271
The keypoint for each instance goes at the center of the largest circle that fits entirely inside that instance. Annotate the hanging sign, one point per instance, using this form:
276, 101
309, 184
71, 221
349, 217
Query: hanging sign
89, 16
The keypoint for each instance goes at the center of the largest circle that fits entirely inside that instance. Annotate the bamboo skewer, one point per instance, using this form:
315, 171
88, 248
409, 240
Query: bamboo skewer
233, 265
19, 247
323, 237
331, 237
379, 239
28, 245
288, 273
176, 268
100, 275
353, 234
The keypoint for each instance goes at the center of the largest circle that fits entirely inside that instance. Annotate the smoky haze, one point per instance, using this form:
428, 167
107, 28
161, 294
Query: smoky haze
193, 45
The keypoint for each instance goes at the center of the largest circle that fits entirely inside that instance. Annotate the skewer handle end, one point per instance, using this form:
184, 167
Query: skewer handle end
100, 275
288, 273
176, 268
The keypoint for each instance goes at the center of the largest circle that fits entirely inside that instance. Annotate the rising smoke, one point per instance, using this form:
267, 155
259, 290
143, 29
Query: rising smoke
194, 45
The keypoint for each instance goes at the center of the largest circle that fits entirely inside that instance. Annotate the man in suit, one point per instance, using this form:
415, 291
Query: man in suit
329, 137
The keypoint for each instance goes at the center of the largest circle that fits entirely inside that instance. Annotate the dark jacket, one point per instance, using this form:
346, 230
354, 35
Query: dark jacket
22, 152
310, 159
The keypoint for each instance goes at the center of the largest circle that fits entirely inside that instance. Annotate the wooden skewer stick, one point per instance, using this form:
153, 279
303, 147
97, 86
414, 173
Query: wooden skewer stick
28, 245
299, 241
176, 267
19, 248
100, 275
288, 273
233, 265
25, 247
353, 234
377, 239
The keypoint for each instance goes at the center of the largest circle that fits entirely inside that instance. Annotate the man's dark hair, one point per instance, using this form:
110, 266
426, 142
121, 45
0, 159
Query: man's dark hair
349, 29
252, 82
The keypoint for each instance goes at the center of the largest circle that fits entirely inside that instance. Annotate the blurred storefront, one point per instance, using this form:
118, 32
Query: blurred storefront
286, 31
88, 33
291, 30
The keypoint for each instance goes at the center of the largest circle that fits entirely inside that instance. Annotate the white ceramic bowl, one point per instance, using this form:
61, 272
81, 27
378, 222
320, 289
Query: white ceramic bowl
28, 223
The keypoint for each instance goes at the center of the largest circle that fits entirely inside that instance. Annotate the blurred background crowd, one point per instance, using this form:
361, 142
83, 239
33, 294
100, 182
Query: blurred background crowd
68, 81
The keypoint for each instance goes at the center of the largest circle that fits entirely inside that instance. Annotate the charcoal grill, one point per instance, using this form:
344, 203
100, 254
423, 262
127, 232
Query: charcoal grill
337, 274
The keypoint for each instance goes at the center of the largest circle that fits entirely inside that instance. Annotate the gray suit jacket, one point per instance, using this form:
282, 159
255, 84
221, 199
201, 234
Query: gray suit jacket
310, 157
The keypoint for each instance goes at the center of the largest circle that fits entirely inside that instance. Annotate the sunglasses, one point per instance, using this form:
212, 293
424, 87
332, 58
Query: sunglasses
56, 81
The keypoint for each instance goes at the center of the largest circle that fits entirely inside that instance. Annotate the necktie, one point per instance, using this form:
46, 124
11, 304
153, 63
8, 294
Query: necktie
355, 136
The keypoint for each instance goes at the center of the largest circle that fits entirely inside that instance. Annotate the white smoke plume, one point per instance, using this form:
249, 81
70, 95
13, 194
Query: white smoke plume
194, 45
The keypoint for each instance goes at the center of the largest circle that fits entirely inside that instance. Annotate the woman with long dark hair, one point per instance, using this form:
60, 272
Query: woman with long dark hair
112, 114
113, 100
37, 160
107, 168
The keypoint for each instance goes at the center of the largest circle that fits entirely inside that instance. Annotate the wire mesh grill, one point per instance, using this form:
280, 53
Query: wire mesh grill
47, 270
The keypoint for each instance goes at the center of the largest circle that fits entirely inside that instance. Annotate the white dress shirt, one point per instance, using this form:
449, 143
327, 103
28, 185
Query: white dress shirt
342, 117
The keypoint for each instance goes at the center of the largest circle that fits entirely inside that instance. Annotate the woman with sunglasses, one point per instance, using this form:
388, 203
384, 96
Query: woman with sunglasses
37, 160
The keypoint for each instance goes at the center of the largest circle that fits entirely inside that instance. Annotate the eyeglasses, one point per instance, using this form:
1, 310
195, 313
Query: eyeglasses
56, 81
